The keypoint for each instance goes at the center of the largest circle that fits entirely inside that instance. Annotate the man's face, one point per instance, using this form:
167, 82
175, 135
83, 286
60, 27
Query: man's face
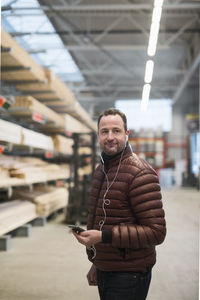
111, 134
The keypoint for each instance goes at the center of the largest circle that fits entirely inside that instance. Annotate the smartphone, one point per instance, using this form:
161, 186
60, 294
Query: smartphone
76, 228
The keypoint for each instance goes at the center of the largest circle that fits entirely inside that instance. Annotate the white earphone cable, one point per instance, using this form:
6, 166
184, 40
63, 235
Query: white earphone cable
106, 201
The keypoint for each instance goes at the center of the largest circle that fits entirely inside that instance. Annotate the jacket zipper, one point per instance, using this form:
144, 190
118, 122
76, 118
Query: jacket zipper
96, 202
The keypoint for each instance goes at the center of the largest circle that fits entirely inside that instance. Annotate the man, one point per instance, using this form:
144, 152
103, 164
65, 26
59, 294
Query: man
126, 218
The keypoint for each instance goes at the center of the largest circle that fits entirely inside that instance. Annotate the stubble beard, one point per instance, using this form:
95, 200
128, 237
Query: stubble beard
114, 151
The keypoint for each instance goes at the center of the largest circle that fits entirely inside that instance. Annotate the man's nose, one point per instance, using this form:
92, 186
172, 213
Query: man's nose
110, 136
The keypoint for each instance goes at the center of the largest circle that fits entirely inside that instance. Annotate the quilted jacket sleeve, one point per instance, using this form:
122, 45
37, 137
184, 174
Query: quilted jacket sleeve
145, 200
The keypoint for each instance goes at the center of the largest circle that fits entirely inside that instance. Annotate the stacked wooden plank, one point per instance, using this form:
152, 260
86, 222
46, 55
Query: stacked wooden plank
40, 83
79, 113
13, 55
87, 170
26, 106
28, 170
63, 144
73, 125
46, 198
54, 172
5, 179
84, 151
13, 133
36, 140
14, 214
10, 132
52, 85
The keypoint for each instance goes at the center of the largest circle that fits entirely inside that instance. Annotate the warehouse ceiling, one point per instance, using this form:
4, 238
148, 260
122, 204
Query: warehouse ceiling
108, 41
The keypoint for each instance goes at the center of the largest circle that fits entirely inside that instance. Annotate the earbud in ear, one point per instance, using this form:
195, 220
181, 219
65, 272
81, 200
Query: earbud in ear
126, 138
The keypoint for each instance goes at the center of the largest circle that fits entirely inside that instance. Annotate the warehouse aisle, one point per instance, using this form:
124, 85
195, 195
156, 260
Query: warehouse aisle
52, 265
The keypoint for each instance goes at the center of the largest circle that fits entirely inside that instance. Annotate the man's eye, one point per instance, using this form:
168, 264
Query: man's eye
116, 130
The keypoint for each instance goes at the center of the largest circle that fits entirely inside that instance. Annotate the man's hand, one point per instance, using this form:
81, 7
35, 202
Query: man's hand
88, 237
92, 275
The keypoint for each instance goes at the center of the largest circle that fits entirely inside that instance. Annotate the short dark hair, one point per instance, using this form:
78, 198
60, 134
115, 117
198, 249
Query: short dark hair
113, 111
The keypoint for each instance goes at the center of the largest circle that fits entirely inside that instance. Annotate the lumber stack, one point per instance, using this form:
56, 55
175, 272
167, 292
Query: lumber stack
53, 86
13, 133
85, 151
47, 199
28, 170
63, 144
26, 106
54, 172
10, 132
13, 55
87, 170
6, 180
73, 125
14, 214
41, 83
36, 140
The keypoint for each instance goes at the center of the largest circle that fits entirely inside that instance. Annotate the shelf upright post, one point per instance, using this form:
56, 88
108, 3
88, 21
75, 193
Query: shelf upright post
76, 179
93, 152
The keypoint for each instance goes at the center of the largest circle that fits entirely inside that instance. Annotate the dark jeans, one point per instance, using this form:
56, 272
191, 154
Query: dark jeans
123, 285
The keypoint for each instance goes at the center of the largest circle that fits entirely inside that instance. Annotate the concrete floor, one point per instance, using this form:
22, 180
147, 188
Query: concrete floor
52, 265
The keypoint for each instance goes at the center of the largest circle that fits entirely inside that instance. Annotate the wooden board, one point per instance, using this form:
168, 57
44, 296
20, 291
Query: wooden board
19, 75
32, 87
63, 144
36, 139
46, 198
48, 82
17, 56
14, 214
27, 105
73, 125
28, 170
10, 132
8, 60
46, 96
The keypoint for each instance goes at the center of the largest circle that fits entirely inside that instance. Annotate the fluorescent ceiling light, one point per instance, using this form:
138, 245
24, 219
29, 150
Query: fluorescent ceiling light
145, 96
156, 15
158, 2
155, 26
149, 71
153, 39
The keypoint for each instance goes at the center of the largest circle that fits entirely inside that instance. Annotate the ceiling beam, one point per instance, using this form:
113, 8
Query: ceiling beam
137, 87
167, 14
117, 72
106, 7
181, 31
109, 28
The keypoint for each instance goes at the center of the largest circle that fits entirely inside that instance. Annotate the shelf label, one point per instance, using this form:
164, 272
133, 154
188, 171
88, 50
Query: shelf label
48, 154
1, 149
4, 103
68, 133
39, 118
59, 183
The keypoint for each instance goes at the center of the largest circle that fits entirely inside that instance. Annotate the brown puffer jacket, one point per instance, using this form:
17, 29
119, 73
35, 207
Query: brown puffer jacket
135, 215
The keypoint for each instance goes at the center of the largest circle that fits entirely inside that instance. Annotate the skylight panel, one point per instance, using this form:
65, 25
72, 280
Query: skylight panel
47, 49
